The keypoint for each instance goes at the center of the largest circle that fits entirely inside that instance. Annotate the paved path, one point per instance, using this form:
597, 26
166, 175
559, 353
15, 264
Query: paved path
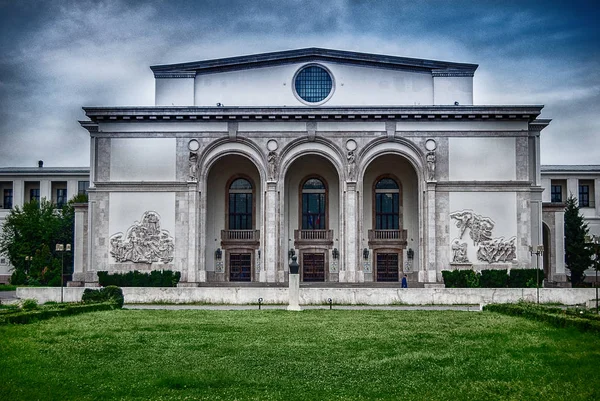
471, 308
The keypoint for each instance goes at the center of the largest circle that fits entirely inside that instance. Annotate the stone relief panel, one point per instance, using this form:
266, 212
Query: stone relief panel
144, 242
490, 250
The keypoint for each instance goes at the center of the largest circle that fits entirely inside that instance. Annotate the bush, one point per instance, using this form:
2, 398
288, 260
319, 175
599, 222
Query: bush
18, 277
29, 304
156, 278
518, 278
107, 294
494, 278
24, 317
460, 278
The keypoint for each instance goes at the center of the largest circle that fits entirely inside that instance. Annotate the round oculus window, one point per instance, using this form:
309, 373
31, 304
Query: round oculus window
313, 84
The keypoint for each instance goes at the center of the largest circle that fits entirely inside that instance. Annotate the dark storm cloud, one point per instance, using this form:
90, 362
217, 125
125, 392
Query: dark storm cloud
60, 55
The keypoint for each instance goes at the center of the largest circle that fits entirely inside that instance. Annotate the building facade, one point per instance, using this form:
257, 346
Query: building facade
24, 184
365, 167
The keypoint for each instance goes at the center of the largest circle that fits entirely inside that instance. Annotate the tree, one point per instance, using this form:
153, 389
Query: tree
578, 256
33, 231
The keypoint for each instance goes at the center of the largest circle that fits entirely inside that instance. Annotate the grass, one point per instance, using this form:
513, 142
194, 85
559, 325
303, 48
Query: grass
8, 287
309, 355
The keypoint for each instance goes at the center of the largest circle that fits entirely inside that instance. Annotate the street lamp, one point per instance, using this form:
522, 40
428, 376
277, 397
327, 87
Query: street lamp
62, 248
538, 251
28, 265
594, 242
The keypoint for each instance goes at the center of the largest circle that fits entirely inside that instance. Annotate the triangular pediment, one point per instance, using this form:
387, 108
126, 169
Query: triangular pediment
310, 55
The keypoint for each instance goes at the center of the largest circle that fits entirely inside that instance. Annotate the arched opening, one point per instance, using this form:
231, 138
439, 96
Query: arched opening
232, 212
390, 221
311, 215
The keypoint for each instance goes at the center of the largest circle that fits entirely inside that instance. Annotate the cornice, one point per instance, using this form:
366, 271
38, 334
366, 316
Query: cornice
375, 113
175, 74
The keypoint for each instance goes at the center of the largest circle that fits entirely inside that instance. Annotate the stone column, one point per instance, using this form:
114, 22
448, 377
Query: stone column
431, 264
80, 243
201, 226
192, 256
349, 272
270, 234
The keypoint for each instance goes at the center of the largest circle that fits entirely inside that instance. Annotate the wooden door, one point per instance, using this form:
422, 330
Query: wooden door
240, 267
313, 267
387, 267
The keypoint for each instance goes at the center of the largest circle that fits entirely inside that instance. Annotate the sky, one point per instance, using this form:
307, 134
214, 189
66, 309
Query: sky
58, 56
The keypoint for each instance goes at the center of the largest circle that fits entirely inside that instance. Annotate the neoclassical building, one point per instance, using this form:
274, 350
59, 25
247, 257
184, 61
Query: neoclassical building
366, 167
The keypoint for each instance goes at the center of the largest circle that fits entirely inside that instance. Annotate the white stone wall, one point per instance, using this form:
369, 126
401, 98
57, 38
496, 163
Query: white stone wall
142, 159
482, 159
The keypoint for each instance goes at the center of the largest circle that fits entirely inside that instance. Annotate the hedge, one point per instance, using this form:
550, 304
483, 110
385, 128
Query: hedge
107, 294
24, 317
156, 278
557, 317
492, 278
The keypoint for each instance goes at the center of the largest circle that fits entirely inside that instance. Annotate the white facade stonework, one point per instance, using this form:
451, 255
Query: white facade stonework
391, 171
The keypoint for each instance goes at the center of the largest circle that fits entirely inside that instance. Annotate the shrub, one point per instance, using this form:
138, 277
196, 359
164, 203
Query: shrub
24, 317
494, 278
460, 278
156, 278
110, 293
518, 278
29, 304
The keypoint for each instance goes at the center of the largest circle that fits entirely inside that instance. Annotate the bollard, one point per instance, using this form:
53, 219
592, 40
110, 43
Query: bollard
330, 303
259, 302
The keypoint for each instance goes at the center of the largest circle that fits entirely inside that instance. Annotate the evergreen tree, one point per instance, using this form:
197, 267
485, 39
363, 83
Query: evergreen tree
33, 231
578, 256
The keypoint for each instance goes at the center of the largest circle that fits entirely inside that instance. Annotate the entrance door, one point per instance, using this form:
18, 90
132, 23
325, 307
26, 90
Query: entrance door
387, 267
240, 267
313, 266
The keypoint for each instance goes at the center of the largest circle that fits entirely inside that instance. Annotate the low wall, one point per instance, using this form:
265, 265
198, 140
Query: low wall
350, 296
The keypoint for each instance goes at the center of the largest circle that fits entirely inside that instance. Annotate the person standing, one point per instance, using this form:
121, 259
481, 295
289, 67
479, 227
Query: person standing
404, 282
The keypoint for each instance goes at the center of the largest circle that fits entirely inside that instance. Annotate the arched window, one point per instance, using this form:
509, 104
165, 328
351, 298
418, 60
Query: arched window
314, 204
240, 204
387, 204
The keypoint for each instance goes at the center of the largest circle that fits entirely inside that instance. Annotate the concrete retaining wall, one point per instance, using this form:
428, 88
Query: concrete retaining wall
351, 296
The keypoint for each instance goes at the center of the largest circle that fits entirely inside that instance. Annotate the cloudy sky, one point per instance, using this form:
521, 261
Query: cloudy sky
57, 56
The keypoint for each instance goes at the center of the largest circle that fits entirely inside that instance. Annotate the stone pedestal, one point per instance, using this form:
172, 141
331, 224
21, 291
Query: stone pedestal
294, 293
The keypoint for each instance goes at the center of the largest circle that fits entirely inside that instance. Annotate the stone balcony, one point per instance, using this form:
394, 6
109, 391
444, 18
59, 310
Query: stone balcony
387, 237
231, 238
313, 237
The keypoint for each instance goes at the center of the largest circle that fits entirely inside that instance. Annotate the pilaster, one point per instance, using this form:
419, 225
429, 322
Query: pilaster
270, 234
349, 272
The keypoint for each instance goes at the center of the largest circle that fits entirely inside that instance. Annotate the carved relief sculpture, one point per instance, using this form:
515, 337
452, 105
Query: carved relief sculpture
431, 166
497, 250
480, 227
144, 242
459, 252
491, 250
193, 166
351, 165
272, 159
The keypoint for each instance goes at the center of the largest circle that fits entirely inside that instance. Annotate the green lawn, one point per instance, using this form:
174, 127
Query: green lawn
312, 355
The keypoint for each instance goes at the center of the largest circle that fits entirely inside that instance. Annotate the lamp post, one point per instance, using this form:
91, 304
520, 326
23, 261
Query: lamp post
28, 265
62, 248
538, 251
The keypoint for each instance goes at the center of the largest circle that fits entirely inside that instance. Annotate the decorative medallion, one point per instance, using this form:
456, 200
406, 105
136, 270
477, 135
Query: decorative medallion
351, 145
272, 145
193, 145
430, 145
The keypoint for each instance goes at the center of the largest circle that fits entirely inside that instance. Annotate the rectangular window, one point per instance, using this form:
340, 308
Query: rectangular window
556, 193
584, 195
61, 197
34, 194
8, 198
82, 187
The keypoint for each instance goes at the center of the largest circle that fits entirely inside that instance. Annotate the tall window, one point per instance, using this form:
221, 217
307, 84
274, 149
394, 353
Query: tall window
556, 193
61, 197
8, 198
584, 195
82, 187
387, 205
240, 205
34, 194
314, 198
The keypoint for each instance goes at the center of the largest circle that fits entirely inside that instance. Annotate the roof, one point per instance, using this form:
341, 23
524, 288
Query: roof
570, 168
190, 69
44, 170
